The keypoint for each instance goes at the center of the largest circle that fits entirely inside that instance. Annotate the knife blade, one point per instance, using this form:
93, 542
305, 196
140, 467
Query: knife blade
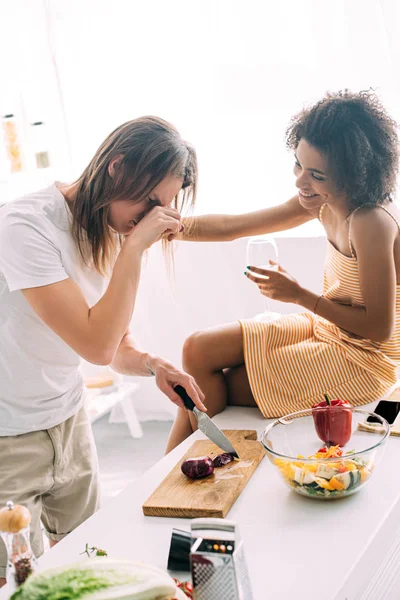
206, 425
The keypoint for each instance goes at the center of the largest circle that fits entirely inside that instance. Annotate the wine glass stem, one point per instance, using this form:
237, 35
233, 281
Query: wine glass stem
267, 305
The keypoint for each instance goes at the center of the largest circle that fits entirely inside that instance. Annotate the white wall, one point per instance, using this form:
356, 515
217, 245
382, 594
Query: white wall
229, 74
209, 288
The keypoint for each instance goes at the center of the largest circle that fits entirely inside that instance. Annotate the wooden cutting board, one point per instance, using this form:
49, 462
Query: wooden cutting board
179, 496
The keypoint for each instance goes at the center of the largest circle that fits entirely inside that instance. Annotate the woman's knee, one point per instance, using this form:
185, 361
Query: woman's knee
214, 349
194, 350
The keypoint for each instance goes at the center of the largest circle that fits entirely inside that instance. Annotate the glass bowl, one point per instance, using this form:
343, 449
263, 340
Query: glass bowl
292, 444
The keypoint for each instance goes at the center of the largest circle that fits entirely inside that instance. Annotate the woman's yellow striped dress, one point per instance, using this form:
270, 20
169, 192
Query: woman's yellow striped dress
293, 361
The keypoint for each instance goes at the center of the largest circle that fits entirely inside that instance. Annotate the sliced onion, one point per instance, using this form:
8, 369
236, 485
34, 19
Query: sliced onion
197, 468
222, 459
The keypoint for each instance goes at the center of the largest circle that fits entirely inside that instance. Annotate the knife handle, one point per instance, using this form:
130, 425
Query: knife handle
187, 401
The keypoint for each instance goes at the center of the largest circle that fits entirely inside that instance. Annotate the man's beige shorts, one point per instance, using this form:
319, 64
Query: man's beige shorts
54, 473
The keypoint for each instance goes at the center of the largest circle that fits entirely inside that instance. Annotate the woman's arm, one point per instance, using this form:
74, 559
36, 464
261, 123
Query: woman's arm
95, 332
131, 360
214, 228
373, 233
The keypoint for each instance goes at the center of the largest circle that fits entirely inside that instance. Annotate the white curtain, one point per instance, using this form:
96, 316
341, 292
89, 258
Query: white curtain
30, 88
228, 73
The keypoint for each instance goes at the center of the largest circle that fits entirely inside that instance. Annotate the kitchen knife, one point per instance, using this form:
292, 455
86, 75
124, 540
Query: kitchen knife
206, 425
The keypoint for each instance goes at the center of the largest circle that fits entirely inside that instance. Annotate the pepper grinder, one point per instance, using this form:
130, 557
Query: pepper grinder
14, 530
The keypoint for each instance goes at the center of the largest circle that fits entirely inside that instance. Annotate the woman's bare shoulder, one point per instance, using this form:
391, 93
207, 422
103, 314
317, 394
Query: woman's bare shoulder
375, 222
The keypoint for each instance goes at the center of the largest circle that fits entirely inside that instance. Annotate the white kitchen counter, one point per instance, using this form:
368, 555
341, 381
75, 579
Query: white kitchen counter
296, 547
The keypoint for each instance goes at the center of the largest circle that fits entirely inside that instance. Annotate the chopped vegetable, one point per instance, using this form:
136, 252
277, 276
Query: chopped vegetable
325, 479
197, 468
222, 459
186, 587
333, 421
89, 551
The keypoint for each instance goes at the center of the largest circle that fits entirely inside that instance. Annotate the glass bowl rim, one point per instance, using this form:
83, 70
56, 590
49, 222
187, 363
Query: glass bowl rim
308, 412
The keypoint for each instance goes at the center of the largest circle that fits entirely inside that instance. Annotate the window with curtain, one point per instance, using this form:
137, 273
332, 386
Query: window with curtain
229, 74
31, 104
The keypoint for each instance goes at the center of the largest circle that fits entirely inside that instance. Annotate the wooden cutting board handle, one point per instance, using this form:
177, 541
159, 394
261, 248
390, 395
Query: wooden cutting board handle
240, 435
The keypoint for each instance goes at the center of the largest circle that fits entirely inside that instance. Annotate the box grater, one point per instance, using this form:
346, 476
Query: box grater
217, 561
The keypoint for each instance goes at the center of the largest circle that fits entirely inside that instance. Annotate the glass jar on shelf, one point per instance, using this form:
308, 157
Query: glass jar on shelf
40, 145
15, 531
12, 143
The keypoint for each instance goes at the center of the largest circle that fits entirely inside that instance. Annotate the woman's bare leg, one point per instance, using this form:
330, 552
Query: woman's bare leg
238, 386
181, 429
206, 354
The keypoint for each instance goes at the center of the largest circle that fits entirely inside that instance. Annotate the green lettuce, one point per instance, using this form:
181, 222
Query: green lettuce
71, 584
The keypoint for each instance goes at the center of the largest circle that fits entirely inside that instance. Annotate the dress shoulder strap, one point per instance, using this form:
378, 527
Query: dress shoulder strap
353, 254
351, 218
389, 213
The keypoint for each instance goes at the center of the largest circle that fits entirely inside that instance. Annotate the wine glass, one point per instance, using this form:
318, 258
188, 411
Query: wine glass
260, 250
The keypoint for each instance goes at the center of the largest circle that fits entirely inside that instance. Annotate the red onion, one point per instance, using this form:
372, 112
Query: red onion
197, 468
222, 459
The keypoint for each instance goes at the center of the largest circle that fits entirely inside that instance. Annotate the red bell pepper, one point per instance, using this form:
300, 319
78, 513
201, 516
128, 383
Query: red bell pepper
332, 420
186, 587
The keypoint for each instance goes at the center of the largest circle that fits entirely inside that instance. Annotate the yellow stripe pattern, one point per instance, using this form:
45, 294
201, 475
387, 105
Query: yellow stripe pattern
293, 361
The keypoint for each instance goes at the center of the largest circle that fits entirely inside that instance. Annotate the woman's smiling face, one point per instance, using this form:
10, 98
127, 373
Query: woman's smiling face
313, 180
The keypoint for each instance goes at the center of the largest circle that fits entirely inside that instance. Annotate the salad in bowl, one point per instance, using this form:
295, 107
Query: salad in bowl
338, 467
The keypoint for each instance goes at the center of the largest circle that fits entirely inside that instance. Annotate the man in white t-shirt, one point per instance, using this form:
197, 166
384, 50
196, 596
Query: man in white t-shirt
68, 284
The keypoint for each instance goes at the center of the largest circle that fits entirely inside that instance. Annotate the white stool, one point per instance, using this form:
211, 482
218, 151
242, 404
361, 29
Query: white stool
106, 393
124, 411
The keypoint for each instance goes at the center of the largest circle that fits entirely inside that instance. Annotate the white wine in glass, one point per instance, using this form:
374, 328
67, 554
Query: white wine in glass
260, 250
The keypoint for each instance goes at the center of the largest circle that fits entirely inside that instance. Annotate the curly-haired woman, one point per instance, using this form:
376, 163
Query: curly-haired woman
347, 344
